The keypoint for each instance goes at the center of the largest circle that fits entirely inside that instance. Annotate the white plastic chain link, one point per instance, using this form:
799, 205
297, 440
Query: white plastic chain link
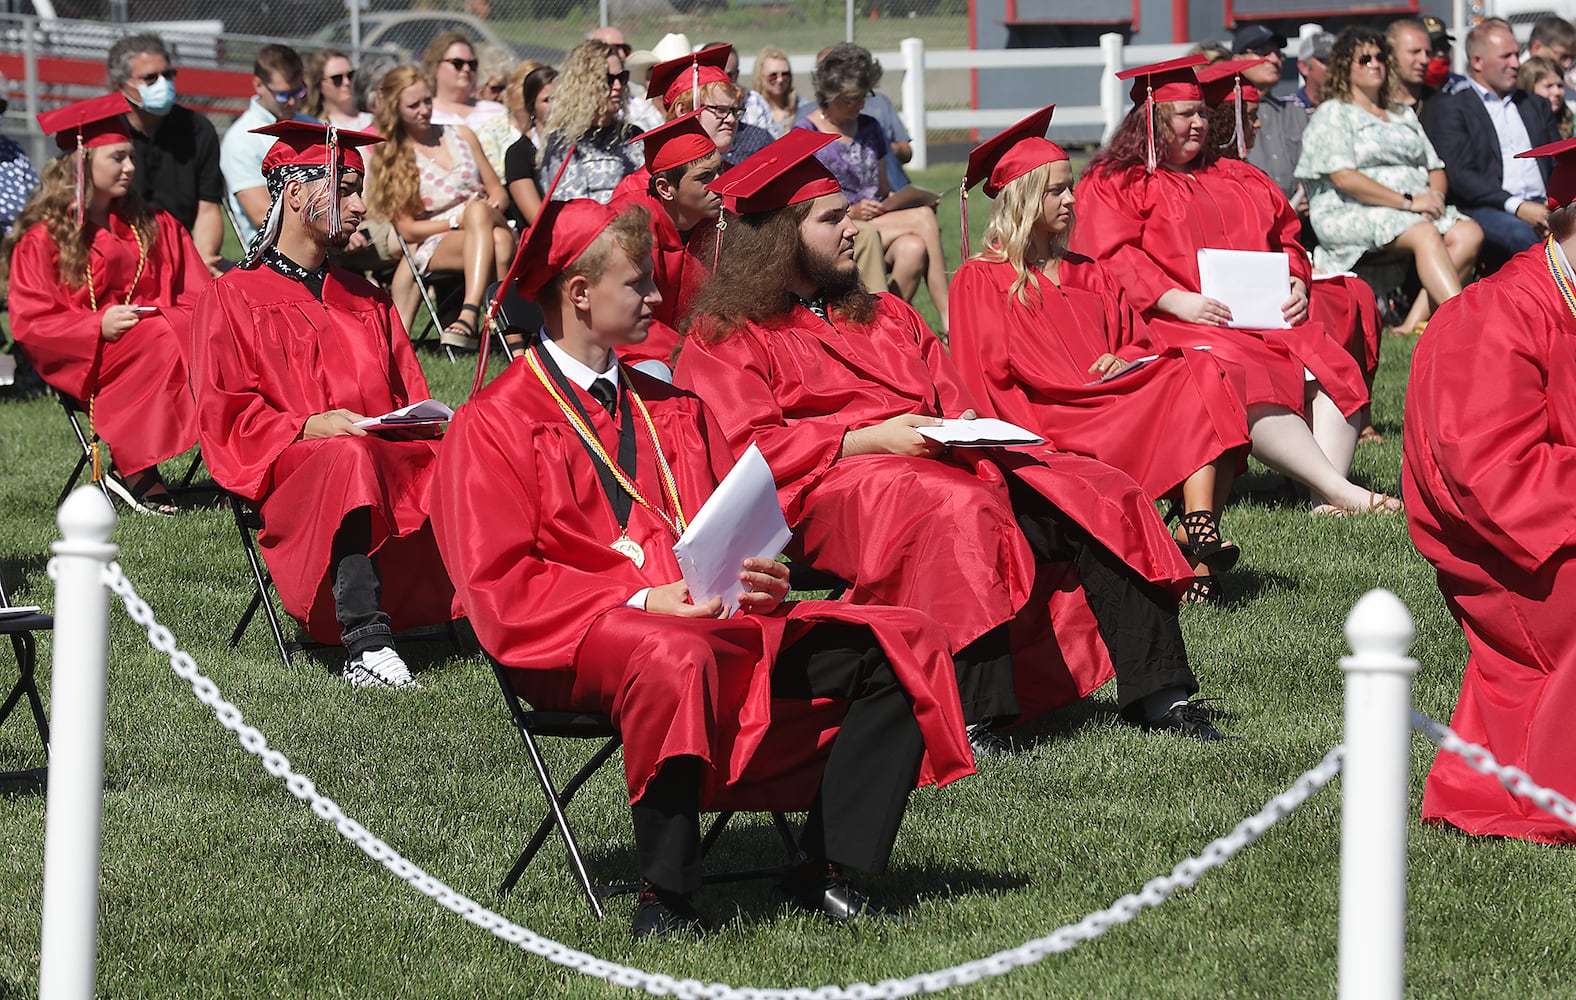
1154, 892
1513, 778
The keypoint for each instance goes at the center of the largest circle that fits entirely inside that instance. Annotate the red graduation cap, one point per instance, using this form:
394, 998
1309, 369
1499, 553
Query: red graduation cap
1172, 80
1005, 157
562, 232
692, 72
308, 144
94, 122
675, 143
783, 173
1562, 182
1222, 81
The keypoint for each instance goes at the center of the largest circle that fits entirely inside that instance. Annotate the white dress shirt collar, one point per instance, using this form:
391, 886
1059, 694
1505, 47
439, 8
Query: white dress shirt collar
576, 372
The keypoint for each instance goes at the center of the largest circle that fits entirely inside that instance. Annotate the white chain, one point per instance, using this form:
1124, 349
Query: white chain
1513, 778
1152, 894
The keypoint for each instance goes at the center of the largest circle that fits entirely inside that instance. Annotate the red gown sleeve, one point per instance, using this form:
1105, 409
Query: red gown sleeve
242, 434
1112, 215
53, 323
738, 370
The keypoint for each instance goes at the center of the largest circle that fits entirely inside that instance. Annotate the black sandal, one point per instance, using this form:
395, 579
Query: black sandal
461, 332
1204, 544
148, 493
1205, 590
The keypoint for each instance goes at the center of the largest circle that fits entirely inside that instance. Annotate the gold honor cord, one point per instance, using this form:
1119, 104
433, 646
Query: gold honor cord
594, 443
142, 262
1561, 281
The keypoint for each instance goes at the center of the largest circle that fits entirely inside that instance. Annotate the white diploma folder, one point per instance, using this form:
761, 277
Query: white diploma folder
981, 432
1253, 284
741, 520
428, 411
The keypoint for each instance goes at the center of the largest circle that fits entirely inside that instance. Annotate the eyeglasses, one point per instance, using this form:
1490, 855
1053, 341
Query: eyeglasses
779, 76
286, 96
619, 78
461, 65
149, 79
340, 79
725, 111
1368, 57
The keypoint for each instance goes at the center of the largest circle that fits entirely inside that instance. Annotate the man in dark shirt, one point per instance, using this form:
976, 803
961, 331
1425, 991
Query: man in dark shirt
175, 149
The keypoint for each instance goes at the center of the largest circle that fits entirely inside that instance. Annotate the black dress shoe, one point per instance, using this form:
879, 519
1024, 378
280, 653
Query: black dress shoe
823, 889
985, 741
1190, 720
662, 912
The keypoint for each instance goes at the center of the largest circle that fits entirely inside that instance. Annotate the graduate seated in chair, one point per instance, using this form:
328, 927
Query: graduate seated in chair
291, 353
561, 490
833, 383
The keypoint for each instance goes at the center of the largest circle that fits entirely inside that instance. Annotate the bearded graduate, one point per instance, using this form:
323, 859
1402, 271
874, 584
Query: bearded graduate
563, 486
833, 383
101, 291
1045, 338
292, 353
1490, 467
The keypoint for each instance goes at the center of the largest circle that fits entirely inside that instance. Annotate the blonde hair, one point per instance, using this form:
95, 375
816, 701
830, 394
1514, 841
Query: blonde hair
580, 102
52, 205
758, 82
1011, 228
395, 181
685, 102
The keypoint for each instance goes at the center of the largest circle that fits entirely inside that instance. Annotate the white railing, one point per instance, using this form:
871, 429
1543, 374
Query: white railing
1374, 806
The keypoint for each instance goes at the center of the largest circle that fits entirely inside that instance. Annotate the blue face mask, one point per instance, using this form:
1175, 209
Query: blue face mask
158, 97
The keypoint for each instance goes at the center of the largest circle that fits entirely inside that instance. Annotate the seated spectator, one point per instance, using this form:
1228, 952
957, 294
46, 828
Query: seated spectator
535, 99
1552, 38
910, 237
1313, 63
290, 353
1375, 182
1542, 77
451, 64
1044, 338
1275, 145
586, 150
832, 383
1440, 76
774, 87
802, 705
1472, 130
17, 177
279, 85
331, 91
434, 184
494, 68
641, 111
175, 149
101, 293
1412, 64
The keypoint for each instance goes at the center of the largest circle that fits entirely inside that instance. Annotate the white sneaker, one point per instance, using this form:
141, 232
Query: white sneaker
380, 667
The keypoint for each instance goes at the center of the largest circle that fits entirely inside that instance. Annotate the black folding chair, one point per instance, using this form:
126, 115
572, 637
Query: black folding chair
111, 482
20, 627
247, 524
593, 726
515, 316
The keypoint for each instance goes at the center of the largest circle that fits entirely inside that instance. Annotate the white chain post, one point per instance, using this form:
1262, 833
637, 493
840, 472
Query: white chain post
76, 758
1374, 798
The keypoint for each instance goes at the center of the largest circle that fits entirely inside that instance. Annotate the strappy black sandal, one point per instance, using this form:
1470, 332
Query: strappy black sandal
1205, 590
147, 494
461, 332
1204, 544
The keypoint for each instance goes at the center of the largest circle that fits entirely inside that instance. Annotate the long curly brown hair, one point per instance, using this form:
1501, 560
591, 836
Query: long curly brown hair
51, 205
755, 272
1222, 139
395, 180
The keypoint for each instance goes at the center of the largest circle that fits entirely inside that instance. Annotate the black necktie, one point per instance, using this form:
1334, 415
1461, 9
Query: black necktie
605, 394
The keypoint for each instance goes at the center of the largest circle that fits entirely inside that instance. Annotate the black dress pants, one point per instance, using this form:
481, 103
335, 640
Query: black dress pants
358, 588
864, 790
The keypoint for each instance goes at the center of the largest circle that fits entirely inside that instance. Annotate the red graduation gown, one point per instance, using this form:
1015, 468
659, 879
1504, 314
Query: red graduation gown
676, 269
1490, 469
1029, 364
268, 356
1150, 228
936, 535
144, 408
525, 528
1345, 306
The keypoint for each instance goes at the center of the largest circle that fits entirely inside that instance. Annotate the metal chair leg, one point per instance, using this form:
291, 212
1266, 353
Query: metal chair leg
539, 765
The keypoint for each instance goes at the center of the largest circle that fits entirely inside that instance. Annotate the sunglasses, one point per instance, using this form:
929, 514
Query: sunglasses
779, 76
461, 65
725, 111
623, 49
340, 79
149, 79
621, 78
286, 96
1368, 57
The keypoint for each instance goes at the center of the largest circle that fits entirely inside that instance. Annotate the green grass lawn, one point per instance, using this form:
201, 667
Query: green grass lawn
216, 882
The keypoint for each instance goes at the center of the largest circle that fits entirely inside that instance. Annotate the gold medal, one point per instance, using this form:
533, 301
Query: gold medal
630, 549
